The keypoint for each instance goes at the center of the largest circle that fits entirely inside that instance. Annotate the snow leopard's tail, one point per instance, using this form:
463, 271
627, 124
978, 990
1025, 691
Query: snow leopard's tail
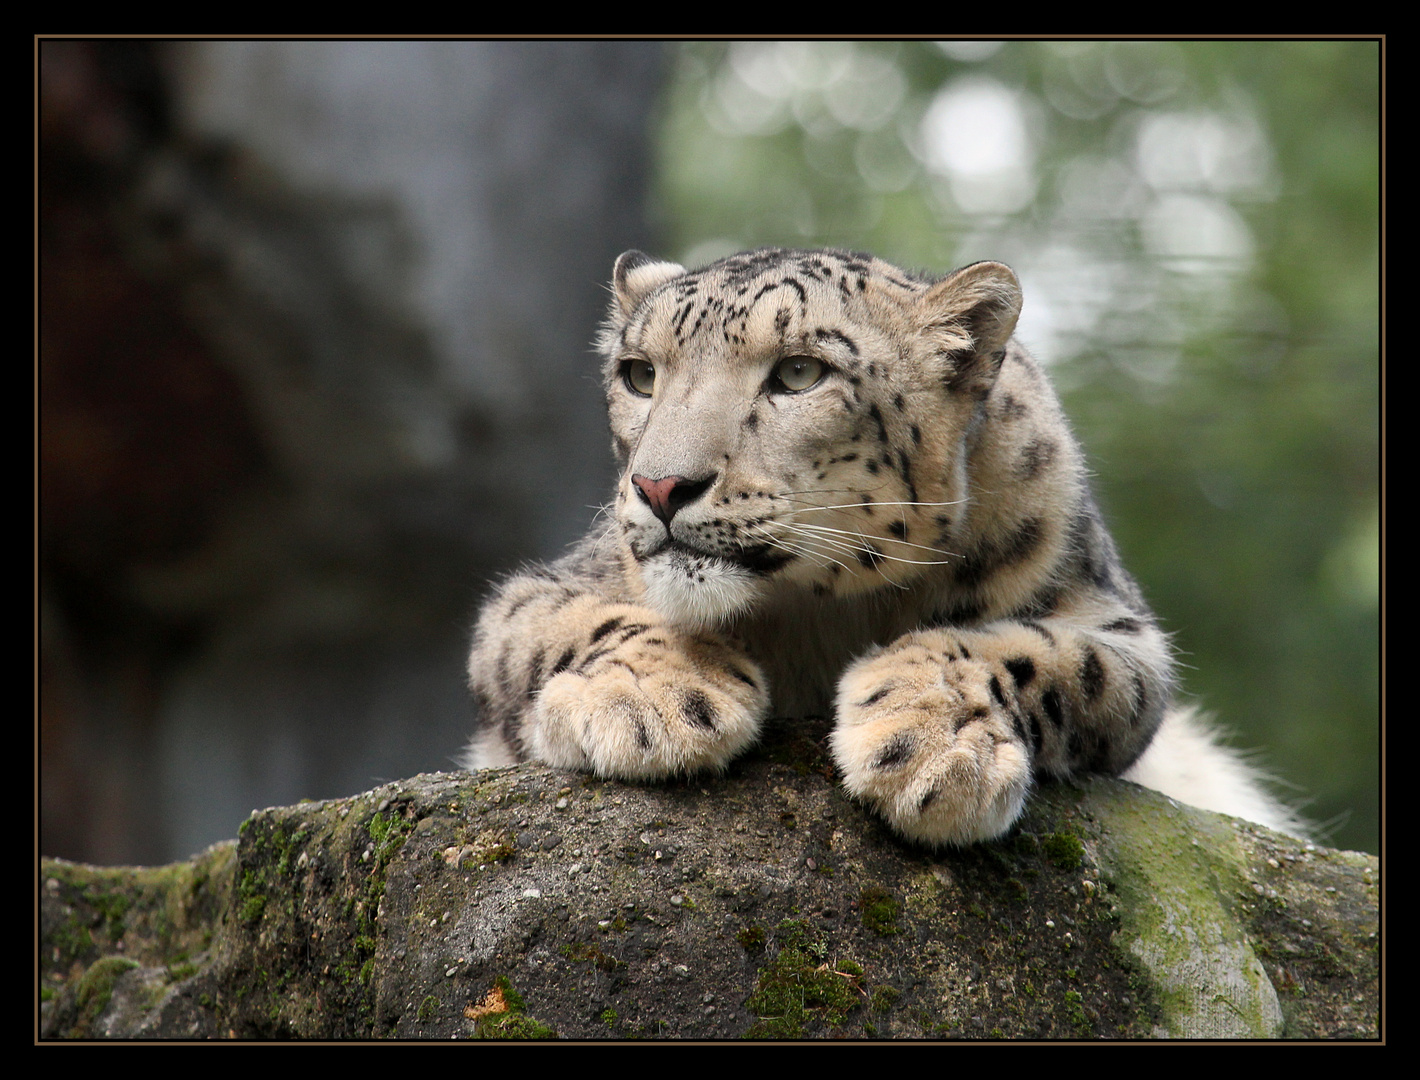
1186, 761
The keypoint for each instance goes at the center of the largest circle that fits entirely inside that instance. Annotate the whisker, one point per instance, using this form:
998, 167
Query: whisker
822, 529
875, 504
816, 556
812, 552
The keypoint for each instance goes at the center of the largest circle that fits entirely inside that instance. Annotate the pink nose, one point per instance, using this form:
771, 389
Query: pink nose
667, 495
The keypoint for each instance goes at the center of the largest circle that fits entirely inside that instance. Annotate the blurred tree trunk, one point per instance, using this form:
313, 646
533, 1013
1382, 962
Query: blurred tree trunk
314, 363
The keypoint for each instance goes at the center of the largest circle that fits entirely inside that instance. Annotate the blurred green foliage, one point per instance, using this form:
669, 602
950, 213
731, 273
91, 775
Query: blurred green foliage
1196, 226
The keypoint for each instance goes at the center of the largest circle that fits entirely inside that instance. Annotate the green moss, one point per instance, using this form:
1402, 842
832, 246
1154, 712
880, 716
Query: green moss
388, 832
253, 907
1177, 873
512, 997
884, 998
796, 934
427, 1008
95, 988
1075, 1010
798, 988
73, 941
880, 910
112, 907
251, 889
1065, 850
512, 1022
751, 938
514, 1026
271, 896
288, 847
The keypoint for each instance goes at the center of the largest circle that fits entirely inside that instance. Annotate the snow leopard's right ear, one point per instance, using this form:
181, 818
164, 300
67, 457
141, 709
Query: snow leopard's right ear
636, 275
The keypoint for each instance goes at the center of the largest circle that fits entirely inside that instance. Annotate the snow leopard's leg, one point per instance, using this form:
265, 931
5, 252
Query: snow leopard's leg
942, 730
565, 676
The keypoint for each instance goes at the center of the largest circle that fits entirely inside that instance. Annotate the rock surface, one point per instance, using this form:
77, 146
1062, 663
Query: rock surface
528, 903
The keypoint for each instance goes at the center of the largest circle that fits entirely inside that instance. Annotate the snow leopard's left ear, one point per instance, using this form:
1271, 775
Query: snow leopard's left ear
972, 314
636, 274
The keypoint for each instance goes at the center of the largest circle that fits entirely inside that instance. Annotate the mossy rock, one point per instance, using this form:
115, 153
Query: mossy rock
762, 903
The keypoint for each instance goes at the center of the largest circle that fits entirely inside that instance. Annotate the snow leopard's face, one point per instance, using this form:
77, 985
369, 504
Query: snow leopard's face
791, 418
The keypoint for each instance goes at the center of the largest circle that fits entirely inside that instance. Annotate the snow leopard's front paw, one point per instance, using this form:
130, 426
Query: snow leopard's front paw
921, 737
653, 702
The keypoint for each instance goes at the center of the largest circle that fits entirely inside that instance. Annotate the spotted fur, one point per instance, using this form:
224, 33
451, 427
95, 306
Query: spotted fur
845, 488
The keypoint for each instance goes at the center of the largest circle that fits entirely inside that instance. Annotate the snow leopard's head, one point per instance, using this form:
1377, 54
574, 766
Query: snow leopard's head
793, 419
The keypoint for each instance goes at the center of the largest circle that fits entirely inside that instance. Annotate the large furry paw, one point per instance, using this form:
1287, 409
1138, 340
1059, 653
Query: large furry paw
653, 702
921, 737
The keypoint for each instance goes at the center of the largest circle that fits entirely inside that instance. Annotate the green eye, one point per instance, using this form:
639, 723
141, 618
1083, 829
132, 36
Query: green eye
795, 373
639, 376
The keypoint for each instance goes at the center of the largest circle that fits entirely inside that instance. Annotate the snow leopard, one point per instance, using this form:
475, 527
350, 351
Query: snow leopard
846, 490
